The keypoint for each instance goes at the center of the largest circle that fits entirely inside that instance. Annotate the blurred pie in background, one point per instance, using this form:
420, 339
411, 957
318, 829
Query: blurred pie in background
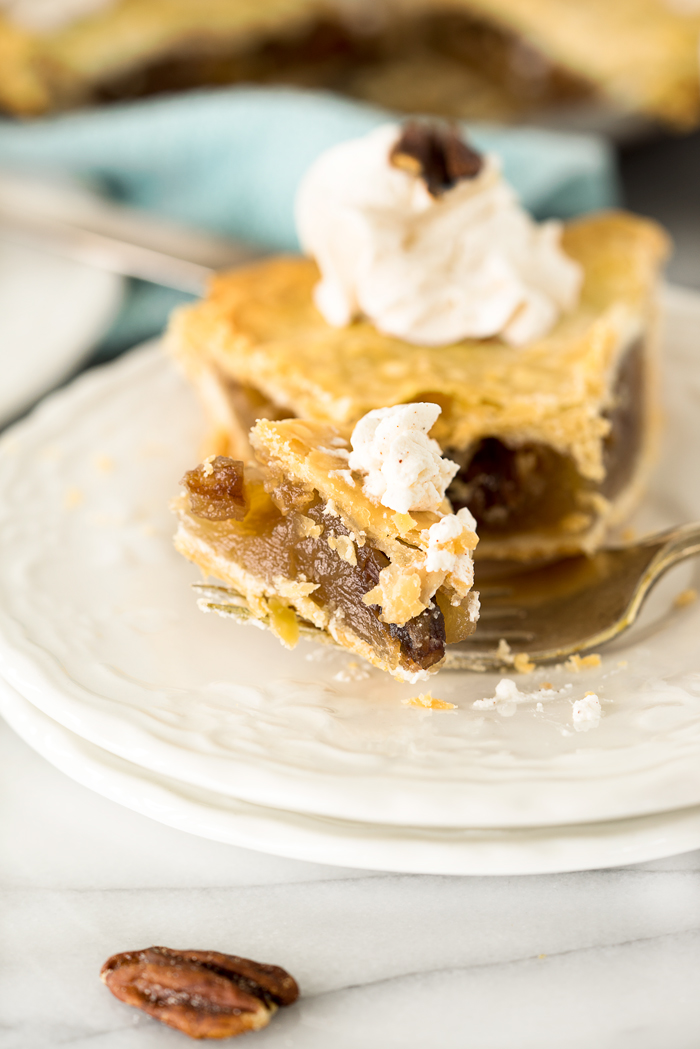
588, 61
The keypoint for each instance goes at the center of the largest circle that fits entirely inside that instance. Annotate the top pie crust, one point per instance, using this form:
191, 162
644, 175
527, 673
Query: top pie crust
259, 326
316, 455
313, 454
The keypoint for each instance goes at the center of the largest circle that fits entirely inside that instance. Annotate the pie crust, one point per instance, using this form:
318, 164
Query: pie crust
581, 401
312, 550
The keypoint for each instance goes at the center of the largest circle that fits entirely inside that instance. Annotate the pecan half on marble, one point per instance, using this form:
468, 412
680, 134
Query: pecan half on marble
204, 994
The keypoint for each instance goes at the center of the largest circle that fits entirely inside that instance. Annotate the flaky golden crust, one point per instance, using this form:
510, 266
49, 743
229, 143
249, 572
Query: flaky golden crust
304, 450
259, 326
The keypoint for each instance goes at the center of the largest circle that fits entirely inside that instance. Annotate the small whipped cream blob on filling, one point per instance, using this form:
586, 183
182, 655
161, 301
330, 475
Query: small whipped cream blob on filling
404, 467
422, 236
450, 542
405, 470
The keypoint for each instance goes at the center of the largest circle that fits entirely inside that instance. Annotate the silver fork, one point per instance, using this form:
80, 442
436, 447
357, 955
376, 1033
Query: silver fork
570, 606
549, 612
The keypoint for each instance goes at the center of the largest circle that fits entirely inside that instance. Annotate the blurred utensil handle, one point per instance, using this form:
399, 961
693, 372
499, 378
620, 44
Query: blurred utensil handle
65, 219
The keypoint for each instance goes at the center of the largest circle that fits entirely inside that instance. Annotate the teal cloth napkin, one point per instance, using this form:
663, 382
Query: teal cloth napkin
231, 161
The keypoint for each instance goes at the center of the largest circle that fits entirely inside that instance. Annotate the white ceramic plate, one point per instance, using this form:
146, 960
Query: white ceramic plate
52, 311
98, 629
342, 843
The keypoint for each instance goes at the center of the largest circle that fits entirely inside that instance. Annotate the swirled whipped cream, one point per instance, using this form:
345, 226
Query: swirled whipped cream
416, 232
404, 468
47, 15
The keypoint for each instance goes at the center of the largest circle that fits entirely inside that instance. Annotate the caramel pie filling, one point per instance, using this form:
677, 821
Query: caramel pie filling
288, 532
531, 486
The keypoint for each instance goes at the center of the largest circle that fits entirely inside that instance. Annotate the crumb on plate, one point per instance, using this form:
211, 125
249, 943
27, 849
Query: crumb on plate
576, 662
352, 671
685, 598
426, 701
504, 651
587, 710
522, 663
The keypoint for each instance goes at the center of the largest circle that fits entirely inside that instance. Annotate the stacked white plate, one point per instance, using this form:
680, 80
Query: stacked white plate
113, 674
52, 312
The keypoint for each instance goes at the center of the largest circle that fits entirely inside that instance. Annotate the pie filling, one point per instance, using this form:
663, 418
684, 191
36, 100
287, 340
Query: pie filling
531, 486
290, 535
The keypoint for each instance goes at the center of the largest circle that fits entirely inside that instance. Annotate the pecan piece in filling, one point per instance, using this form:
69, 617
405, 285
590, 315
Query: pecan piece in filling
216, 489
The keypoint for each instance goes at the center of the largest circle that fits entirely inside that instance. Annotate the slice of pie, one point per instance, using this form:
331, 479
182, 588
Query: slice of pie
553, 439
303, 548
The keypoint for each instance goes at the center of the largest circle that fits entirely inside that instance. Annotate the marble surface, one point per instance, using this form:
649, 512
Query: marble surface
604, 959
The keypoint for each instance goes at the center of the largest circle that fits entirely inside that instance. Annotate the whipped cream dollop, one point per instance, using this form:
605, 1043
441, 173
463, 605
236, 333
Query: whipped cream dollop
404, 467
47, 15
429, 266
450, 541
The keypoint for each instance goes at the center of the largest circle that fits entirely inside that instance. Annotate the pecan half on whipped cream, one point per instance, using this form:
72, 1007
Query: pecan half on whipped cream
437, 154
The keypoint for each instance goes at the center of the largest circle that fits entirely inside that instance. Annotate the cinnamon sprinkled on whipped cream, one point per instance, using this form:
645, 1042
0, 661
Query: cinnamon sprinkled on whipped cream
405, 471
404, 467
424, 238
